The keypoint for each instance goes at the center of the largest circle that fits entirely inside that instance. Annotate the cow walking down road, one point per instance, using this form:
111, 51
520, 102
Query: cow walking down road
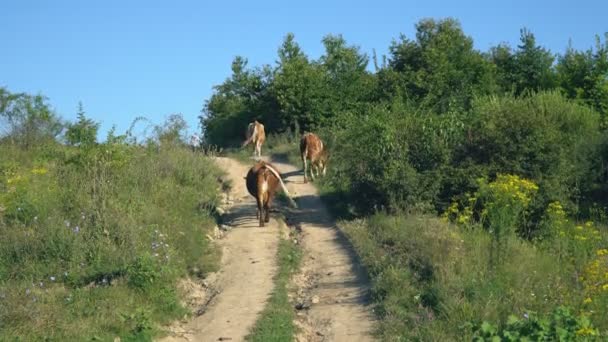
263, 181
312, 148
255, 134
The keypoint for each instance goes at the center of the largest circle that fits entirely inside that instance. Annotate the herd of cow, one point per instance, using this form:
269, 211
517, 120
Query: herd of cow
263, 180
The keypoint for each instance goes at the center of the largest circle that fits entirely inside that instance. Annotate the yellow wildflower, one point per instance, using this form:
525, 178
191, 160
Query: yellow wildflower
586, 331
601, 252
587, 300
15, 179
39, 171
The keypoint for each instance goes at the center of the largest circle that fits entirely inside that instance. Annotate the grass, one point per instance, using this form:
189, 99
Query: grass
94, 240
432, 281
276, 321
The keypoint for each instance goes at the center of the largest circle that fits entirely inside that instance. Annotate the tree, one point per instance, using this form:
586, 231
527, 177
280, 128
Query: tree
27, 119
298, 86
347, 83
243, 97
440, 69
529, 68
83, 132
172, 131
583, 75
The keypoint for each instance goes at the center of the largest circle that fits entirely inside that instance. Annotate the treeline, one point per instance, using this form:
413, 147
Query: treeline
438, 70
433, 116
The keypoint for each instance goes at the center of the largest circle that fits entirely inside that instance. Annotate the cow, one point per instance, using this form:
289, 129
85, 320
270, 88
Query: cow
263, 181
312, 148
255, 134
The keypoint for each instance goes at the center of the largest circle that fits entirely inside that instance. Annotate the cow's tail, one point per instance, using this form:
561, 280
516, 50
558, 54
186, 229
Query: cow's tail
253, 135
292, 203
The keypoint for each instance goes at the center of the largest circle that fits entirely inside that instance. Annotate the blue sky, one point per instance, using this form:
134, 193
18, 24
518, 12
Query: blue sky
125, 59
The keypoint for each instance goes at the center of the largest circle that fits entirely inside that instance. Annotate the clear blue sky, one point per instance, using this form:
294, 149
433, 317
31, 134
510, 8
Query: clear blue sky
124, 59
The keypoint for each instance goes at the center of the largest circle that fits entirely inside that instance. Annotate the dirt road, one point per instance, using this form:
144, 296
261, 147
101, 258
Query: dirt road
330, 289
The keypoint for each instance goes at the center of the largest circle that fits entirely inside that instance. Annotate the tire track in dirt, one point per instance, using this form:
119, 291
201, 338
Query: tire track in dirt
332, 288
245, 280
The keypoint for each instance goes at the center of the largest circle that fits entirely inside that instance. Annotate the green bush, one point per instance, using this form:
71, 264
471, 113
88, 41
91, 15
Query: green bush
561, 325
390, 158
544, 138
143, 272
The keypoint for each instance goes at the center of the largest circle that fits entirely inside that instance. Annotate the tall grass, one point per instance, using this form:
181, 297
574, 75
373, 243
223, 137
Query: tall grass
433, 281
94, 239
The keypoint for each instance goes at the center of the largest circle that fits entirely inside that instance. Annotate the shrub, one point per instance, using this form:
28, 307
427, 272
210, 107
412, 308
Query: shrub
544, 138
390, 158
561, 325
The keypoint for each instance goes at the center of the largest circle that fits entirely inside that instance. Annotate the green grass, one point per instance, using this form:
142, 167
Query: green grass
94, 240
432, 281
276, 321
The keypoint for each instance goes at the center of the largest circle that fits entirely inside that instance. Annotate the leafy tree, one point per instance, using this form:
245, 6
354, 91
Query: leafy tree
529, 68
299, 87
27, 119
440, 68
583, 75
172, 132
245, 96
347, 83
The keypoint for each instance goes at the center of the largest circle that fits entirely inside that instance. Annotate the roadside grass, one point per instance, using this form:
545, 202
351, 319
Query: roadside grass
433, 281
276, 320
94, 240
243, 155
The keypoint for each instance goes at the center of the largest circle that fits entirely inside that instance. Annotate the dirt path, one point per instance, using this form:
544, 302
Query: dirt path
333, 289
247, 269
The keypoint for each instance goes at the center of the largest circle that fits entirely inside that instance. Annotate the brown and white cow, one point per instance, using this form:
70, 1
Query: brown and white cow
263, 180
312, 148
255, 134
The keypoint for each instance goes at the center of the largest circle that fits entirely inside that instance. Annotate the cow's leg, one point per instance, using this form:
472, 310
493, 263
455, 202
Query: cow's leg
258, 149
312, 170
267, 209
304, 162
260, 211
